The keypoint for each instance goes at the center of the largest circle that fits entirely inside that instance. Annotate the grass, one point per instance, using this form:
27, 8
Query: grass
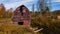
7, 28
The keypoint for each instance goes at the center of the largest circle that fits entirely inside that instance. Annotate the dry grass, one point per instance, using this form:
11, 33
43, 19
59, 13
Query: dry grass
7, 28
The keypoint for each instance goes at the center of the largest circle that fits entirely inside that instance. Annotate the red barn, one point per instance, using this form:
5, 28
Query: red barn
21, 16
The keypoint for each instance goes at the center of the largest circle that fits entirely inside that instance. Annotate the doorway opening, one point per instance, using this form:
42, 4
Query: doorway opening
20, 23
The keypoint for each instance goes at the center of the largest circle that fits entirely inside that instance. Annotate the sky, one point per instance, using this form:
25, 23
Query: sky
55, 4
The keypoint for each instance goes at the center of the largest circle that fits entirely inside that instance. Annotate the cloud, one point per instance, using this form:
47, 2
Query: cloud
15, 4
55, 0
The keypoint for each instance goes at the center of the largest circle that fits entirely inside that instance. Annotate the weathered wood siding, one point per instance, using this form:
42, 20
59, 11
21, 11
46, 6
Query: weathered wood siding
21, 16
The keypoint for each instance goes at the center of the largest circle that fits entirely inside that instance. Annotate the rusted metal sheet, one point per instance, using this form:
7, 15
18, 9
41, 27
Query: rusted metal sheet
21, 14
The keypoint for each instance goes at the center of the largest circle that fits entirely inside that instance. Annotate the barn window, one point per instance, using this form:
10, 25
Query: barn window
20, 23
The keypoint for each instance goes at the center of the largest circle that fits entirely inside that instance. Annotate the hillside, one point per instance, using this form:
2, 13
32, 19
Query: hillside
57, 12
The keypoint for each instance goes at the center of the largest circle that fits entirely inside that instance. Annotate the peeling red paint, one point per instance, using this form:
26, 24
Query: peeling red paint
20, 15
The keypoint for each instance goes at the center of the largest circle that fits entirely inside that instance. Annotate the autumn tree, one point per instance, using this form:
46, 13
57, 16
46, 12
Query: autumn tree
2, 10
9, 12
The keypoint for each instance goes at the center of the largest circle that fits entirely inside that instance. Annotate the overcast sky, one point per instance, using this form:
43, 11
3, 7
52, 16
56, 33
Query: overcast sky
55, 4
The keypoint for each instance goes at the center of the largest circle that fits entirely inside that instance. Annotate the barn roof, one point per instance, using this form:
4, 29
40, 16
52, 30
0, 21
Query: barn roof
18, 13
